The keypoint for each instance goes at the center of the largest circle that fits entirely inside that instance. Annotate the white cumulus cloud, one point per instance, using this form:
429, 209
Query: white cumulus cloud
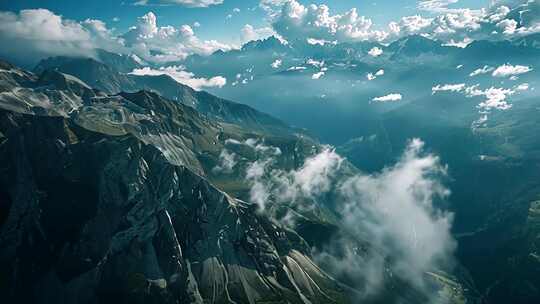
495, 99
34, 34
249, 33
296, 21
167, 43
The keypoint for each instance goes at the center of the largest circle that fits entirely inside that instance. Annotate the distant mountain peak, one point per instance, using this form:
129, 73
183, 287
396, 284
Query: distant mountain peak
271, 42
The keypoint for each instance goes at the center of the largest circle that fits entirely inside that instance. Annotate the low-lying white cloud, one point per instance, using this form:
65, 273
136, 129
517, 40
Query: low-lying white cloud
448, 88
180, 75
259, 192
312, 179
460, 44
375, 52
393, 211
321, 42
276, 64
315, 63
483, 70
507, 70
371, 76
522, 87
317, 75
260, 147
227, 162
315, 175
495, 98
389, 97
296, 68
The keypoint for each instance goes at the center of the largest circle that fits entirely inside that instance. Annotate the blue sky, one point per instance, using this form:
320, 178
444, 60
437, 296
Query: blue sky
213, 19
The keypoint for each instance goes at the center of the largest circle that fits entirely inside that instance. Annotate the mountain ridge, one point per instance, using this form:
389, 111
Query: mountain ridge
145, 224
112, 81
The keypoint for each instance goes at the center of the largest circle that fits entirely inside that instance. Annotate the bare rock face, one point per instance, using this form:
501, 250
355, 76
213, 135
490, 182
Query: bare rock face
102, 201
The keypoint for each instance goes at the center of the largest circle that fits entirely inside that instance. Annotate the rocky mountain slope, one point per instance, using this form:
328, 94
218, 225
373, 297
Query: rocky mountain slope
104, 201
111, 77
493, 167
128, 198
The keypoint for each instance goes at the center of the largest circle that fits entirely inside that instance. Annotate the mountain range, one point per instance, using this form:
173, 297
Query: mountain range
133, 166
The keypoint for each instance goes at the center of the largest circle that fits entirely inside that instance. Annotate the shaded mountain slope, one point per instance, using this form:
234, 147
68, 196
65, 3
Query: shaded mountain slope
133, 178
106, 204
93, 72
139, 228
109, 79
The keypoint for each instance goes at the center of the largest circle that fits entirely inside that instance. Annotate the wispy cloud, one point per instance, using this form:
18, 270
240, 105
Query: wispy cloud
448, 87
484, 70
394, 211
375, 52
276, 64
435, 5
389, 97
227, 162
180, 75
507, 70
496, 98
186, 3
317, 75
